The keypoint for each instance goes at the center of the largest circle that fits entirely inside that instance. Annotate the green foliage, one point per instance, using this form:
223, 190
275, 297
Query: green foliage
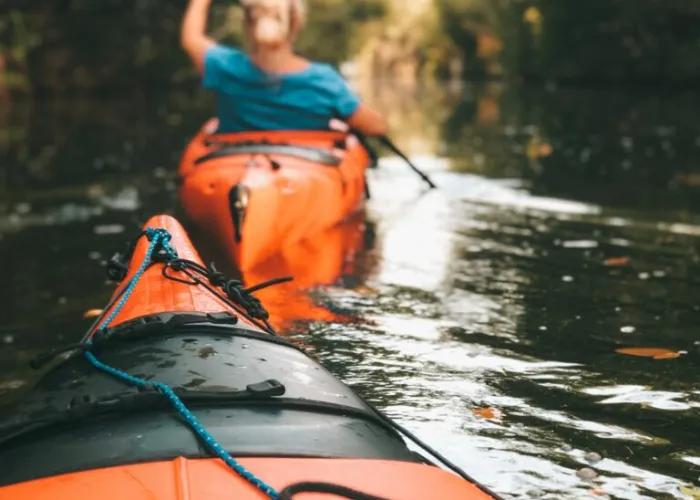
464, 21
621, 40
122, 43
596, 40
332, 24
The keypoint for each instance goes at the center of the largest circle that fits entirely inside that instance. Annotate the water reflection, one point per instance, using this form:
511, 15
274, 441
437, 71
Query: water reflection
616, 147
499, 328
326, 261
554, 239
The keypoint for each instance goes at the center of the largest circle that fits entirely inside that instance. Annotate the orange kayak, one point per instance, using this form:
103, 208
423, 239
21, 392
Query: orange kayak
181, 391
258, 192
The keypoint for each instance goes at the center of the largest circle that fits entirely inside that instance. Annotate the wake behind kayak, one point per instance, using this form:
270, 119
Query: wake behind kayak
182, 366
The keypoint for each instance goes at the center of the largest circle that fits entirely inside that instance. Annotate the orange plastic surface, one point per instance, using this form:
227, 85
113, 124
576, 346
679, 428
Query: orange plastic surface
313, 262
285, 205
155, 294
210, 479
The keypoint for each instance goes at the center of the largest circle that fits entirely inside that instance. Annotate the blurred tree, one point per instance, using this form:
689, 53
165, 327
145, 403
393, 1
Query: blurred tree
620, 40
63, 44
333, 25
596, 40
492, 36
124, 43
15, 42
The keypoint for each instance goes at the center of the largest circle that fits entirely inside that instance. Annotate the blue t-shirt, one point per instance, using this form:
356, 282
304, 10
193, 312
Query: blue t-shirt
250, 99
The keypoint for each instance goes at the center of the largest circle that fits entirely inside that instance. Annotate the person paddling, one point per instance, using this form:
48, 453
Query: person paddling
270, 87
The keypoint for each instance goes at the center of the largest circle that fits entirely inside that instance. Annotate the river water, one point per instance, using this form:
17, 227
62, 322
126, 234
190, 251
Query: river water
485, 315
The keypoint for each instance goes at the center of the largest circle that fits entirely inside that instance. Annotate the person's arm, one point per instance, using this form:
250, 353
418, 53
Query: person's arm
368, 121
351, 110
193, 36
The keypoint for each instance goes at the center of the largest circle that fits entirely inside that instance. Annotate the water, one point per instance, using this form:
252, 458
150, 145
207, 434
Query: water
484, 316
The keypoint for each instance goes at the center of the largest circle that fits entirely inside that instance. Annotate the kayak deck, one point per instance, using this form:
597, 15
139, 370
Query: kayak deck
257, 395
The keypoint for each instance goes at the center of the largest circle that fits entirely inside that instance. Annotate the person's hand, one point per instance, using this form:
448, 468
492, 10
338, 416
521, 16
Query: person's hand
211, 126
338, 125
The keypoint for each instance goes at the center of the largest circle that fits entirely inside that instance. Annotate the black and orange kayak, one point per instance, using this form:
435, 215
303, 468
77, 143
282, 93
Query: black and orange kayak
180, 390
258, 192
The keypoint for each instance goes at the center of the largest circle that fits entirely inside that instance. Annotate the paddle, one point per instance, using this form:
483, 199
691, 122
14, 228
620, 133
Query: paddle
388, 143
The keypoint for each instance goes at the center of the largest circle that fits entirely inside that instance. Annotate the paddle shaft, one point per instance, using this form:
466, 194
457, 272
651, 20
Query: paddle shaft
388, 143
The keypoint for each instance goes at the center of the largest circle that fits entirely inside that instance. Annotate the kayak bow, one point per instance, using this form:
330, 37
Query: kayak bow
179, 375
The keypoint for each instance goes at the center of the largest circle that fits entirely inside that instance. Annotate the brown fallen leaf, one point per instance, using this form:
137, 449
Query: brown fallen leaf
691, 491
488, 413
597, 492
537, 148
365, 290
668, 355
92, 313
545, 149
487, 110
649, 352
617, 261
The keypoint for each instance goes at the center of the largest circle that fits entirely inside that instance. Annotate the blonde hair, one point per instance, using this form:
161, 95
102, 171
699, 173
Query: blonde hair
271, 23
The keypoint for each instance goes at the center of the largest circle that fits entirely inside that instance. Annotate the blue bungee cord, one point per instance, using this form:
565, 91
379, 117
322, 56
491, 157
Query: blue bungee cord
162, 237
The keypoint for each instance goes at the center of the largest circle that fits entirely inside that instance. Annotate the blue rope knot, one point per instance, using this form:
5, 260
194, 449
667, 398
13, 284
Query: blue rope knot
158, 233
160, 236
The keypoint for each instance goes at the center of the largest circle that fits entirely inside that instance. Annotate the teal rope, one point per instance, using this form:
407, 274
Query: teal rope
155, 236
162, 236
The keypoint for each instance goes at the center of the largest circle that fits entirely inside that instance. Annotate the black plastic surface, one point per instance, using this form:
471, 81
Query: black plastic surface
79, 418
161, 436
192, 361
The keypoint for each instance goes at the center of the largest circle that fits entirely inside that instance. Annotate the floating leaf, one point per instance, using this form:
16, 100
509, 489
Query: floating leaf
545, 149
617, 261
92, 313
657, 441
365, 290
537, 148
488, 413
691, 491
668, 355
649, 352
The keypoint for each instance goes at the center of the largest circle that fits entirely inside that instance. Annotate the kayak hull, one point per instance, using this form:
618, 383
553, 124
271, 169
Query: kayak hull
259, 192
